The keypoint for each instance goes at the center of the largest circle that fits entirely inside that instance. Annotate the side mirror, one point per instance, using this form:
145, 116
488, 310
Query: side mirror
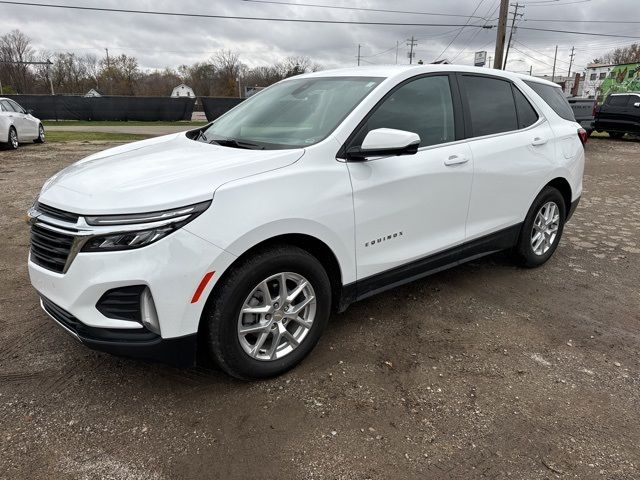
637, 104
383, 142
29, 112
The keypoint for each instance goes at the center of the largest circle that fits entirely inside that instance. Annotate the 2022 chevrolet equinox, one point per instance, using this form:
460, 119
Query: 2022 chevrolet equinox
238, 239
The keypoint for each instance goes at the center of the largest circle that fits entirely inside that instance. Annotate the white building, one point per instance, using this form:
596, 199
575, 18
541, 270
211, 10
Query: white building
182, 90
93, 93
595, 75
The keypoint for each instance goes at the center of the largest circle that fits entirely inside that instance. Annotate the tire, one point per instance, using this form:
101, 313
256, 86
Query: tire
12, 139
243, 288
525, 252
616, 135
40, 138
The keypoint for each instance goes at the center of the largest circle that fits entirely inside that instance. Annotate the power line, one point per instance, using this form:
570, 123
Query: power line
232, 17
577, 33
490, 12
461, 29
299, 20
358, 9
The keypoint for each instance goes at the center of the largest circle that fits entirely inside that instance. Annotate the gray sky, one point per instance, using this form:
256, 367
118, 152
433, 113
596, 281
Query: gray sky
169, 41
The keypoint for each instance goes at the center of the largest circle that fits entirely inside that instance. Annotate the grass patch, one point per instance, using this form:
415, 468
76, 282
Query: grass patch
56, 137
109, 123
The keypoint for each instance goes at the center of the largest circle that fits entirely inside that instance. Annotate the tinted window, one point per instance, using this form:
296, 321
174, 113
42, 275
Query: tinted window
554, 97
618, 100
423, 106
491, 105
527, 115
16, 107
7, 106
294, 113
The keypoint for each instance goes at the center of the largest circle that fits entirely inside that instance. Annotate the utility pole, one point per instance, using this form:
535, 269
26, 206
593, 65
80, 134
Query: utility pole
555, 56
530, 70
411, 42
516, 6
502, 33
397, 48
359, 54
108, 72
571, 60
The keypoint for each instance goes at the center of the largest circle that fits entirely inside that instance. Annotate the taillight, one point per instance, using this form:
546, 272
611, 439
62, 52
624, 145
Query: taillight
583, 135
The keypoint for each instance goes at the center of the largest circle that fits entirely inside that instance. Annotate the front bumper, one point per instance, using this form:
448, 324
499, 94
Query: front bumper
171, 269
572, 208
145, 345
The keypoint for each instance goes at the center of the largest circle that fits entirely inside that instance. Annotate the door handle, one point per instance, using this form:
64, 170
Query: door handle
538, 141
456, 160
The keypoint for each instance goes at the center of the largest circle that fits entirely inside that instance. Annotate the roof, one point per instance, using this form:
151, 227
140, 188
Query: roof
390, 71
182, 85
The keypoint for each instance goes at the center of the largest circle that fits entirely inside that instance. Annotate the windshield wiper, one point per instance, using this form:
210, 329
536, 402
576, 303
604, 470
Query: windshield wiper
233, 143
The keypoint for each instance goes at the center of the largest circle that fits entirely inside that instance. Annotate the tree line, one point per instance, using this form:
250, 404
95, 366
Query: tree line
223, 74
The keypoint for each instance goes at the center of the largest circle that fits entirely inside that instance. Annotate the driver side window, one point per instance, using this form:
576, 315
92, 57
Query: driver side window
423, 106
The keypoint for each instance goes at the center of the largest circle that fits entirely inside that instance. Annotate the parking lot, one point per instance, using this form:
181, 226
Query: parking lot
484, 371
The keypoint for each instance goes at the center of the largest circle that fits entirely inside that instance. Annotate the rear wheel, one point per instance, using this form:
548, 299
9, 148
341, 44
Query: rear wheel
542, 229
40, 138
268, 313
616, 135
12, 141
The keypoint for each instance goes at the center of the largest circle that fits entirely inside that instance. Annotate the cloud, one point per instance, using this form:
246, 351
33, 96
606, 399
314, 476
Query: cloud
158, 41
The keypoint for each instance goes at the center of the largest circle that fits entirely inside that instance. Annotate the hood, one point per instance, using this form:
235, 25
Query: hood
155, 174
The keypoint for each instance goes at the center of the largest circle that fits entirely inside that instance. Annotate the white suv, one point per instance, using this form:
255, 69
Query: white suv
238, 239
18, 125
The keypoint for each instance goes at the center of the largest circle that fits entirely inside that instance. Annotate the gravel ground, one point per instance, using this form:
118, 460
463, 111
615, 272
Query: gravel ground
484, 371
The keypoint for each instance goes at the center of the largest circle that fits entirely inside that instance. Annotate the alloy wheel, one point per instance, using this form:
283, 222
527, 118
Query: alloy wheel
41, 134
545, 228
276, 316
13, 138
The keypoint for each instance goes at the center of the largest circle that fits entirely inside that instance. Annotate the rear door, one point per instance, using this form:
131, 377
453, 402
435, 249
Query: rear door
513, 147
27, 124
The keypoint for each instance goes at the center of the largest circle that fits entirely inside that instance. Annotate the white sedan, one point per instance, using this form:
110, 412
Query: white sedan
17, 125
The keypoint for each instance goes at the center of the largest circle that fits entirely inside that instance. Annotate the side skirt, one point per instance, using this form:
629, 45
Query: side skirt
429, 265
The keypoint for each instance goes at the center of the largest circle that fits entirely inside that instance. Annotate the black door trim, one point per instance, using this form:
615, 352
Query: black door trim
486, 245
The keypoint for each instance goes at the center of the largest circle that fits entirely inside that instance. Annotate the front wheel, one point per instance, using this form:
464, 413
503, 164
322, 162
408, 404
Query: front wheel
542, 229
267, 313
40, 138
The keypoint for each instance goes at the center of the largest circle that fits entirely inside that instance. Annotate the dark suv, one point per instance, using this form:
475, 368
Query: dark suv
619, 114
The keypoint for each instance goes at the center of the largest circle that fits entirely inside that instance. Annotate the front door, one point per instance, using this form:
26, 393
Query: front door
410, 207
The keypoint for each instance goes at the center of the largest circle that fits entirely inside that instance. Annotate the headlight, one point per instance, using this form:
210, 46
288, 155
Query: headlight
152, 227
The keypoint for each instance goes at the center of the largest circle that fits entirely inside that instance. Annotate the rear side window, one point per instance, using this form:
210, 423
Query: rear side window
16, 107
527, 115
423, 106
491, 105
7, 106
618, 100
554, 97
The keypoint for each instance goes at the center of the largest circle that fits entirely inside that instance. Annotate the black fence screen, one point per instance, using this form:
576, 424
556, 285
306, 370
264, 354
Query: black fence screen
70, 107
215, 106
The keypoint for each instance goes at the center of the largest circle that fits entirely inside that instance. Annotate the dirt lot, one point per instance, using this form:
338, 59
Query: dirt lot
485, 371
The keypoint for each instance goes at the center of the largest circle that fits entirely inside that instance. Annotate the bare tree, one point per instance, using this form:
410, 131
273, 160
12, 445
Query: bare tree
15, 46
228, 69
628, 54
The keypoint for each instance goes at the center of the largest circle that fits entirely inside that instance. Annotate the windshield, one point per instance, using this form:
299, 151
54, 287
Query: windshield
291, 114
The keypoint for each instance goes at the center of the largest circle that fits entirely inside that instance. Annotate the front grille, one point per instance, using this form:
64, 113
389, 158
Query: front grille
122, 303
57, 214
50, 249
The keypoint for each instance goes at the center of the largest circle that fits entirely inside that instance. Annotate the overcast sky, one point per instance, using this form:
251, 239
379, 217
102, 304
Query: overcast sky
169, 41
